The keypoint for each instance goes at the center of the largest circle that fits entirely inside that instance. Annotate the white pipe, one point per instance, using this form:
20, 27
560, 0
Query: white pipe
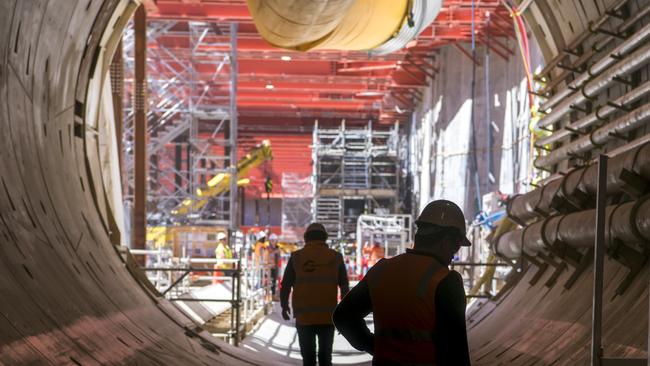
618, 127
589, 89
600, 66
598, 115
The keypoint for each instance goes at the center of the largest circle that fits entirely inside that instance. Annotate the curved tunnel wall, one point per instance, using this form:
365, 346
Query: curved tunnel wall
66, 297
544, 315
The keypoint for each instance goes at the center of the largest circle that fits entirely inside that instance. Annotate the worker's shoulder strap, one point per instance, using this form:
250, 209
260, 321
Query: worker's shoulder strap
434, 273
295, 258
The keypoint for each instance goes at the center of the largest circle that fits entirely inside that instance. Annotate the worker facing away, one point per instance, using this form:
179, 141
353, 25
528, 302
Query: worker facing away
418, 304
314, 272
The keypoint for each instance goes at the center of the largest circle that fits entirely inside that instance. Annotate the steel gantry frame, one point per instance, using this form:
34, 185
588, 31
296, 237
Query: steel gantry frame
354, 164
192, 120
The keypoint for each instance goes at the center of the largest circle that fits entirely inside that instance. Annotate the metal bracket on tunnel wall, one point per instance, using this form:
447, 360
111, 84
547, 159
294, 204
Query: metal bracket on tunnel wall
559, 266
580, 267
635, 185
631, 258
541, 268
579, 261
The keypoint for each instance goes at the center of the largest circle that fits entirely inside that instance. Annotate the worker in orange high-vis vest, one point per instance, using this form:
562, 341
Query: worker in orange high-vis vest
418, 304
315, 273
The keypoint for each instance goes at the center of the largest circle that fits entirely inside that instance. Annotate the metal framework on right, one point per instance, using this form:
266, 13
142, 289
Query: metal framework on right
355, 172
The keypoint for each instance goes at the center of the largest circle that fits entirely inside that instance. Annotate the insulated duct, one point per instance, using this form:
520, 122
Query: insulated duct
598, 116
603, 64
615, 129
624, 67
628, 222
378, 26
628, 171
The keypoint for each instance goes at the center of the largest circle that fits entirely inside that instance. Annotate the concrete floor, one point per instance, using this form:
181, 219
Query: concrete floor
279, 336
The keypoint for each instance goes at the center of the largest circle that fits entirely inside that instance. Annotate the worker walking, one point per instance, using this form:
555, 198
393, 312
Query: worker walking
418, 304
314, 272
274, 261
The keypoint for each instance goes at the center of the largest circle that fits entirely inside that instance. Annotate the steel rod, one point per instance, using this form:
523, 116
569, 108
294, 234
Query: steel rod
599, 257
140, 160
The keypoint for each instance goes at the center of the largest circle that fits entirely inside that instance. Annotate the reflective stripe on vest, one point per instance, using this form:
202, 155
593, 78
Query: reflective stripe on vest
402, 291
315, 288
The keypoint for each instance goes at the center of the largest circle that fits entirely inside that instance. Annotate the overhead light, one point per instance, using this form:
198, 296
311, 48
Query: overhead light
370, 93
285, 58
269, 86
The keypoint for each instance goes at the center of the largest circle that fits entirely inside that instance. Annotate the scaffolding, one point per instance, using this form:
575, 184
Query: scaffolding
297, 200
356, 171
394, 233
192, 119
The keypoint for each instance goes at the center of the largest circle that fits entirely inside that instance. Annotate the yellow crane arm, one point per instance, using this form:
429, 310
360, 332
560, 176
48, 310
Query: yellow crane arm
220, 183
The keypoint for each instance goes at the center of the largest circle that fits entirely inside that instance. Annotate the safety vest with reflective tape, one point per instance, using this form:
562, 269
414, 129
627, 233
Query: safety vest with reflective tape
315, 290
402, 291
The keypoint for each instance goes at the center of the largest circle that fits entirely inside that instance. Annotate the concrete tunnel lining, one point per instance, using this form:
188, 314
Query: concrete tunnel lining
68, 297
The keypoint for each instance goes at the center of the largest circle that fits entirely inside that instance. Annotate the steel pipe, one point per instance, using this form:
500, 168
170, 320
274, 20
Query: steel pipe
574, 190
599, 115
600, 66
628, 222
616, 129
590, 89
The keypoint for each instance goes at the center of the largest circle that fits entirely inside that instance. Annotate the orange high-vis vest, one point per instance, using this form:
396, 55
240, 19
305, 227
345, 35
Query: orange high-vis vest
402, 291
315, 290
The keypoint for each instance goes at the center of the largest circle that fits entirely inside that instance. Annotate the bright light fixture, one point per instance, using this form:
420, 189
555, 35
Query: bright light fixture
285, 58
269, 86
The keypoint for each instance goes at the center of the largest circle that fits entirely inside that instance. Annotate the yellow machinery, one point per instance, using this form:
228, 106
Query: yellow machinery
220, 183
378, 26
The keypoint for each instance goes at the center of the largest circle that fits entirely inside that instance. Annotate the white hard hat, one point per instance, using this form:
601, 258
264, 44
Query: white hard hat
261, 235
273, 236
443, 213
221, 236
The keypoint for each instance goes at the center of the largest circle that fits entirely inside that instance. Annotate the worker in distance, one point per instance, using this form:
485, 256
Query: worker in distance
418, 304
315, 273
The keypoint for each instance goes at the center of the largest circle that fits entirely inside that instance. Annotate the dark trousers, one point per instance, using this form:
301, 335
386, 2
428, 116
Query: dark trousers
274, 280
307, 339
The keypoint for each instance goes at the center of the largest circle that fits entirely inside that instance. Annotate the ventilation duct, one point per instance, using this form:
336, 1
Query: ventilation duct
377, 26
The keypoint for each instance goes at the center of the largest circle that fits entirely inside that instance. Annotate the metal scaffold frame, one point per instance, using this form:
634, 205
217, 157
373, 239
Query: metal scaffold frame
354, 164
297, 200
394, 233
192, 120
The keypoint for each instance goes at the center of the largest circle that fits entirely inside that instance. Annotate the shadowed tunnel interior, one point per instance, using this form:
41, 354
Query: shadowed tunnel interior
66, 295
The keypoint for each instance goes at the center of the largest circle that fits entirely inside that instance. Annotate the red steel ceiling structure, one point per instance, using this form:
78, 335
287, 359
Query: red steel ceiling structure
332, 85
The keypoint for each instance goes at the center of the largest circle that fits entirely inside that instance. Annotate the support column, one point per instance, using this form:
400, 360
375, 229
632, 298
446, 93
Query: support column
140, 161
599, 258
234, 69
117, 91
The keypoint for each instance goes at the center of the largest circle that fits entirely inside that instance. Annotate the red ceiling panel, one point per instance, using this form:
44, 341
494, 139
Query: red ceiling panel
306, 87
